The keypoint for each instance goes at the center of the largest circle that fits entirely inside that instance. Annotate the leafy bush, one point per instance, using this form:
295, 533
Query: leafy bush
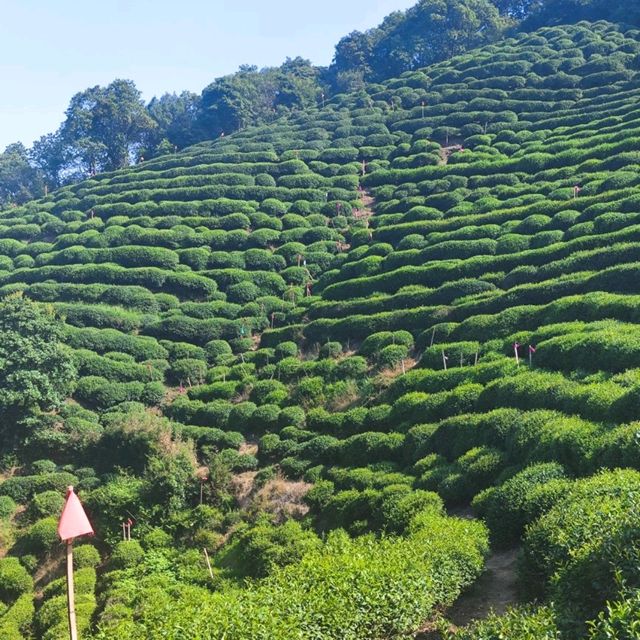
14, 580
126, 554
581, 549
309, 590
506, 509
330, 350
41, 536
516, 624
7, 507
86, 556
47, 503
256, 551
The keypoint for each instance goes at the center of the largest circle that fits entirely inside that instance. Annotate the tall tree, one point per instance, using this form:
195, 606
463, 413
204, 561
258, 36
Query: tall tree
252, 96
430, 31
36, 370
19, 181
518, 9
298, 84
51, 156
176, 118
104, 126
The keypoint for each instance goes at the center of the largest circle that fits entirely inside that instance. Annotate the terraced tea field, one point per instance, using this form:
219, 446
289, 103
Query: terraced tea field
427, 287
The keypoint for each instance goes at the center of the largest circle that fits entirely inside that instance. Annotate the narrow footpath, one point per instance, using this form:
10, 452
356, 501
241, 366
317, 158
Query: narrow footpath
494, 591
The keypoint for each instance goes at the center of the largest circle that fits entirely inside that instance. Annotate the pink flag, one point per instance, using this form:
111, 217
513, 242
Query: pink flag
73, 521
532, 349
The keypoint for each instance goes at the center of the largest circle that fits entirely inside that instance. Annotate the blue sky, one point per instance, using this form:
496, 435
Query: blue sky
51, 50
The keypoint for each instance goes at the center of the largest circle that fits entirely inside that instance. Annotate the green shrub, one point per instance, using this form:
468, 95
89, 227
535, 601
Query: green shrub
255, 551
392, 355
218, 352
319, 590
7, 507
14, 580
188, 370
516, 624
580, 550
41, 536
15, 624
126, 554
156, 538
330, 350
287, 349
505, 509
86, 556
47, 503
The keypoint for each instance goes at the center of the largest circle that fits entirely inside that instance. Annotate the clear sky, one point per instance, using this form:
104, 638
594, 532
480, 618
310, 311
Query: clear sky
50, 50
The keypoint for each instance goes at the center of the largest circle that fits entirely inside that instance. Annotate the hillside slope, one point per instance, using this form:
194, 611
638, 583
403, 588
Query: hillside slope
430, 286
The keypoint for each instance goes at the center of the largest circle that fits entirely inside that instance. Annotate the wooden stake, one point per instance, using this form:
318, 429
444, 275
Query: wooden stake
475, 362
403, 369
433, 335
71, 599
444, 361
461, 360
129, 531
124, 530
206, 557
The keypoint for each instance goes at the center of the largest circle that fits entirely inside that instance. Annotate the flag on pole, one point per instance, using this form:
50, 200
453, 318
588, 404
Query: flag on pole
73, 521
532, 349
516, 346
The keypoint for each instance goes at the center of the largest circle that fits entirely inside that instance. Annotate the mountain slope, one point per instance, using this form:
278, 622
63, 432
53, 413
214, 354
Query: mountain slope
430, 286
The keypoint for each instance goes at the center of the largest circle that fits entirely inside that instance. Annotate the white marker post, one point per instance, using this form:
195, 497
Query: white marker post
206, 557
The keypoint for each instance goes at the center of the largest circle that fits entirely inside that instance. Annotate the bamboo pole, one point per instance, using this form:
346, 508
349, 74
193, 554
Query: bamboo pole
206, 557
71, 600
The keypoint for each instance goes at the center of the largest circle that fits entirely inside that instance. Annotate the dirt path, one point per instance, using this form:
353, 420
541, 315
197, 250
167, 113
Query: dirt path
495, 590
365, 211
446, 152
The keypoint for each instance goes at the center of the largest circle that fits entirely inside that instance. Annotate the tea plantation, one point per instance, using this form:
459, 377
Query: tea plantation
304, 346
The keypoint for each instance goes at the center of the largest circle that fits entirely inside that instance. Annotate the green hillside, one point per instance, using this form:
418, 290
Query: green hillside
296, 347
